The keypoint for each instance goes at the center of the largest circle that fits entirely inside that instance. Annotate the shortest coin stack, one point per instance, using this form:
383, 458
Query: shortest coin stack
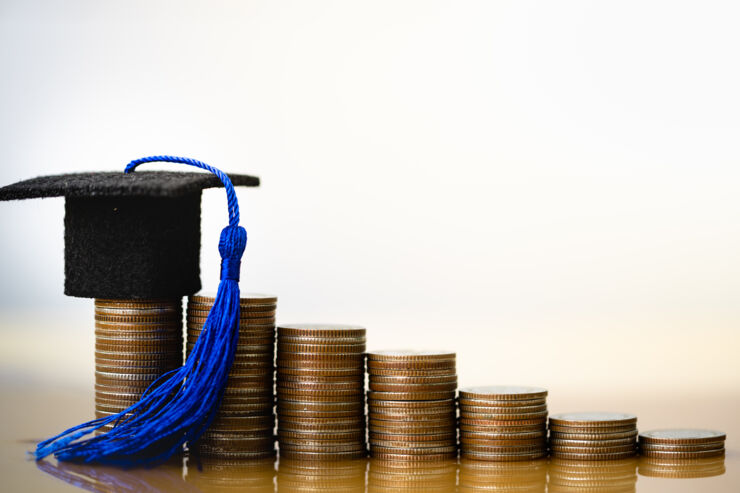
682, 444
593, 436
503, 423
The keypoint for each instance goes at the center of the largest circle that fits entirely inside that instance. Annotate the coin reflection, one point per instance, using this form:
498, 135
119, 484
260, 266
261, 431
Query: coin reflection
321, 476
220, 474
391, 476
682, 468
619, 476
105, 479
525, 476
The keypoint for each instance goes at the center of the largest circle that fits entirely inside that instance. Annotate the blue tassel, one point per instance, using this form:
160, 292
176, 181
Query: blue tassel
180, 405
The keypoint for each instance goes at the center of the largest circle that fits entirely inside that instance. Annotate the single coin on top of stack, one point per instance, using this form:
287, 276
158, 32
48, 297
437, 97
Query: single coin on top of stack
244, 427
136, 341
593, 436
682, 444
503, 423
320, 391
411, 404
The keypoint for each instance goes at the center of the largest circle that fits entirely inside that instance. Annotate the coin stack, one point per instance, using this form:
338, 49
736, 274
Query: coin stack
411, 405
578, 476
503, 423
682, 444
245, 423
520, 477
593, 436
320, 391
136, 341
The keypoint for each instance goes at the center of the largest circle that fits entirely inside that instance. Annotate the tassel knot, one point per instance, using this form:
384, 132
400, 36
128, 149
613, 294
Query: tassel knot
230, 268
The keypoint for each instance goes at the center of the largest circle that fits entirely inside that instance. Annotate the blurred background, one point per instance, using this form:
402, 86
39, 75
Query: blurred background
548, 188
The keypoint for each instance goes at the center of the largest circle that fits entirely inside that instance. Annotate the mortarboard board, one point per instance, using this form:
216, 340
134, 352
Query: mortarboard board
134, 236
128, 236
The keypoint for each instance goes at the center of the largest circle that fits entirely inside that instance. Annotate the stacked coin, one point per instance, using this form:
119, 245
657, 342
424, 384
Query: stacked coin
503, 423
394, 476
136, 341
316, 476
520, 477
593, 436
682, 444
245, 423
320, 391
578, 476
411, 404
682, 468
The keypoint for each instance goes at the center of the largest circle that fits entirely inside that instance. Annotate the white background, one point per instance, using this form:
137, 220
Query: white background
547, 188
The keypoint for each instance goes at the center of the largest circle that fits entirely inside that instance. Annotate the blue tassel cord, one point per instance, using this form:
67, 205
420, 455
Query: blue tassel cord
179, 406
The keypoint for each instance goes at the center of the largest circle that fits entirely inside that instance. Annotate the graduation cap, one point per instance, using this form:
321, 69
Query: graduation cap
137, 236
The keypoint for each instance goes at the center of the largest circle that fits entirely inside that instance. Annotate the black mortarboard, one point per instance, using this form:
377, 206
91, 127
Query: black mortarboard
135, 236
128, 236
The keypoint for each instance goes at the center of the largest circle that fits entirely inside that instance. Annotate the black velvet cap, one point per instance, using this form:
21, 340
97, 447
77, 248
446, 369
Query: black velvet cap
128, 236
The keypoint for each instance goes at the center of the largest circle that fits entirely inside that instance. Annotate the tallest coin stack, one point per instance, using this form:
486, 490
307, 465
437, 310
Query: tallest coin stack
320, 391
136, 341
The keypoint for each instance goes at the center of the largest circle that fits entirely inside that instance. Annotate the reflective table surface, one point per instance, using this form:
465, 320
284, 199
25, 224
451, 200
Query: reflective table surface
32, 412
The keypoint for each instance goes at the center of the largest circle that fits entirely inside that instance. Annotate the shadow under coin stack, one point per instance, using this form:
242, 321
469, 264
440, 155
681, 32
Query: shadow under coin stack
307, 476
503, 423
593, 436
244, 427
136, 341
519, 477
320, 391
682, 444
386, 476
578, 476
411, 404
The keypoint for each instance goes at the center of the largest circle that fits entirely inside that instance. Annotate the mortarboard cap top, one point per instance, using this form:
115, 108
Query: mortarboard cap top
128, 236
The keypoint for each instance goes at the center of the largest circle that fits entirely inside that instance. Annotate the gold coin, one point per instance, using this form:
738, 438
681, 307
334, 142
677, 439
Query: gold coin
412, 446
323, 379
328, 386
681, 436
499, 457
323, 341
246, 299
594, 449
410, 355
402, 388
532, 442
321, 330
414, 373
381, 403
593, 436
405, 366
496, 423
501, 403
695, 447
411, 427
556, 442
409, 396
353, 371
503, 417
413, 380
377, 437
504, 429
321, 349
592, 456
575, 430
592, 419
441, 450
503, 392
502, 410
